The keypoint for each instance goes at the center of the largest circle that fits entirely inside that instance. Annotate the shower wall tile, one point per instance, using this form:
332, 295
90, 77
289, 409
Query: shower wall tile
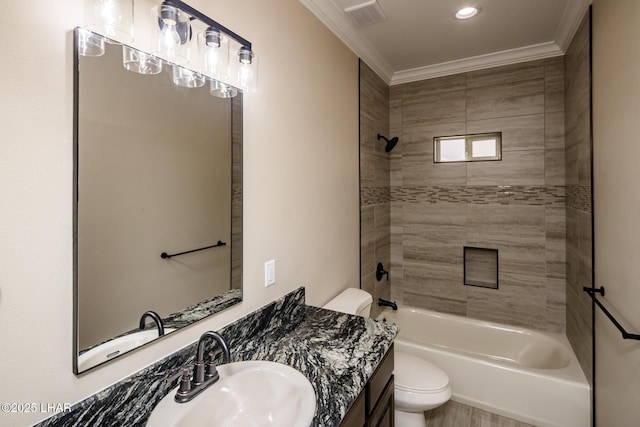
434, 280
554, 66
554, 148
434, 302
444, 107
375, 178
417, 156
523, 71
554, 94
556, 305
367, 239
518, 133
518, 232
556, 237
505, 100
423, 88
516, 168
516, 205
577, 124
520, 301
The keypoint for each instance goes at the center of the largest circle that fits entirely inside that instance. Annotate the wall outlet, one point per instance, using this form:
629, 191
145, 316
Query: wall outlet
269, 273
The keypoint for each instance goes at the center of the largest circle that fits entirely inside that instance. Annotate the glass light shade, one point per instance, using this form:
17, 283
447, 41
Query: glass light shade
110, 18
187, 78
171, 34
140, 62
89, 44
222, 90
214, 52
246, 70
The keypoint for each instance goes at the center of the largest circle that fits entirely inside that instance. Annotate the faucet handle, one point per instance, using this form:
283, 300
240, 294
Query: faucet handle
185, 382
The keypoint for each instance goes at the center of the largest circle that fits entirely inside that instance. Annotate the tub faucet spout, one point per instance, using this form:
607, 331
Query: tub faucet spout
385, 303
156, 319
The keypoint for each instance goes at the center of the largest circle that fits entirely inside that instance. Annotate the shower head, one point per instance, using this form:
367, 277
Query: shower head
390, 142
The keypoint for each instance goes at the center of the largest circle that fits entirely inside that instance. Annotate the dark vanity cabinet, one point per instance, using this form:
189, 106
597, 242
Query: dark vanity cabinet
374, 405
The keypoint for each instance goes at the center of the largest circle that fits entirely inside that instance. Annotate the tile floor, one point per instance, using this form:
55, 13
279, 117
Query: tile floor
454, 414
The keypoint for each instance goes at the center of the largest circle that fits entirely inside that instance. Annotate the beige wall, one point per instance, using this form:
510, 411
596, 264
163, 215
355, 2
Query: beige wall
616, 108
300, 185
515, 205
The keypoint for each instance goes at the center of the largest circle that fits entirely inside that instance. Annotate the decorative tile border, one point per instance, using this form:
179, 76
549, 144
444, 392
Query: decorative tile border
374, 196
579, 197
486, 194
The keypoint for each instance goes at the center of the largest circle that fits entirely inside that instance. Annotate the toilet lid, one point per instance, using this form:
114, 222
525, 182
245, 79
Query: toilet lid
417, 375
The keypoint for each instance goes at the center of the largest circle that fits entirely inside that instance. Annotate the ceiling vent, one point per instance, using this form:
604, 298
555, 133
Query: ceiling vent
367, 13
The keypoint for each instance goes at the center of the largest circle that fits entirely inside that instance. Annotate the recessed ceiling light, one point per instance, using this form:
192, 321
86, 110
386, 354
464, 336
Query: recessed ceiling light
467, 12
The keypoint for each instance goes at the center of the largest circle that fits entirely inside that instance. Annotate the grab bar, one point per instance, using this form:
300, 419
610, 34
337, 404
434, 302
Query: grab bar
165, 255
592, 291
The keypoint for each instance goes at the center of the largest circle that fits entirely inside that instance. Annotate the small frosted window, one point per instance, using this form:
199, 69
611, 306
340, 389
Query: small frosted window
453, 150
467, 148
483, 148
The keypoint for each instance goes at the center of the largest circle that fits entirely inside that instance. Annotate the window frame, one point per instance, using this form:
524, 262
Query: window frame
437, 142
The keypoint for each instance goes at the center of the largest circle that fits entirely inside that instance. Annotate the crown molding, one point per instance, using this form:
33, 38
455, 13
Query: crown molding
570, 22
505, 57
342, 27
338, 23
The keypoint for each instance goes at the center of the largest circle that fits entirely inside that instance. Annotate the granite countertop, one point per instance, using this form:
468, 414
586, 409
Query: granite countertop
337, 352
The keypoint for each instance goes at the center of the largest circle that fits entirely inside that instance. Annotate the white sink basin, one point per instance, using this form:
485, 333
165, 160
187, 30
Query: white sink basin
253, 393
117, 346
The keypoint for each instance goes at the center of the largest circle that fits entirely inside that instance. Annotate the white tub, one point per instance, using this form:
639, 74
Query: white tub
529, 376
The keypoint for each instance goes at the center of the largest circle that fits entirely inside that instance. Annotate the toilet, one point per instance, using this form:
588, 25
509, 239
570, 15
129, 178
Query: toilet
419, 385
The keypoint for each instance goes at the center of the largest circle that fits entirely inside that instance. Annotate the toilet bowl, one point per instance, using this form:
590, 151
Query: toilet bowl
418, 385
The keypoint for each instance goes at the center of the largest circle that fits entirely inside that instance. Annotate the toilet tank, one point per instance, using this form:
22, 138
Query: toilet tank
352, 301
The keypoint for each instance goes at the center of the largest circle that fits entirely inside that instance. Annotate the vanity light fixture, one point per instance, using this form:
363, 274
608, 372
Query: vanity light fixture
111, 18
214, 49
187, 78
140, 62
467, 12
172, 34
112, 21
213, 45
89, 43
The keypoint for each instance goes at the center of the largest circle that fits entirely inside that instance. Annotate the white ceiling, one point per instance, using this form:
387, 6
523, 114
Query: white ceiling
421, 39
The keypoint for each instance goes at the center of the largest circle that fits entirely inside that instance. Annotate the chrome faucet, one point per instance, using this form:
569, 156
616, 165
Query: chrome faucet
156, 319
204, 374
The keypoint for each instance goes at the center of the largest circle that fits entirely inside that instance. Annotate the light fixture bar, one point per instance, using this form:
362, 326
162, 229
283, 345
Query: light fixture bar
208, 21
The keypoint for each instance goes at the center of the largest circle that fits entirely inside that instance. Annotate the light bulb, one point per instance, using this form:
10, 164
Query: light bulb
245, 76
169, 41
246, 69
108, 11
212, 60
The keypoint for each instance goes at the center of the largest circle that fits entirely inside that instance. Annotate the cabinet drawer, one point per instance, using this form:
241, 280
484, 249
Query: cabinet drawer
378, 381
383, 415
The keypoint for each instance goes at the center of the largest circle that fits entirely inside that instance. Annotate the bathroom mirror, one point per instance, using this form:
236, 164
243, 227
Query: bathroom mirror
157, 169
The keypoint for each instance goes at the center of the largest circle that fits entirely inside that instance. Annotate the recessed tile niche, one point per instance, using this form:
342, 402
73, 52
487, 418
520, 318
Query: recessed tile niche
481, 267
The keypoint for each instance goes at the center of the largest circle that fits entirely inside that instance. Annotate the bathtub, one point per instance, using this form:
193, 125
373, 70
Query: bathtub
530, 376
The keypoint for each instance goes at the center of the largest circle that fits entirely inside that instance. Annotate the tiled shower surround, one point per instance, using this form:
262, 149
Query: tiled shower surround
516, 205
374, 184
579, 212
